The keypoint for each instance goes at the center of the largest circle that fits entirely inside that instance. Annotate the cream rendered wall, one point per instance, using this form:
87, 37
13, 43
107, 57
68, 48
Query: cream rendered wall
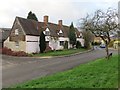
12, 45
32, 44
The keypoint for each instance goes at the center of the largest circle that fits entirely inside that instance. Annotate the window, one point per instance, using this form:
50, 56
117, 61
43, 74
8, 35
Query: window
16, 31
47, 32
61, 43
60, 33
17, 44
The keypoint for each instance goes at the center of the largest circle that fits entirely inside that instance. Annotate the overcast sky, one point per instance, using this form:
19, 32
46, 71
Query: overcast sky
67, 10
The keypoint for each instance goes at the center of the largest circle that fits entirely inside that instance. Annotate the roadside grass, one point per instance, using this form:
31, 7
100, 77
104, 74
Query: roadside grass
100, 73
60, 52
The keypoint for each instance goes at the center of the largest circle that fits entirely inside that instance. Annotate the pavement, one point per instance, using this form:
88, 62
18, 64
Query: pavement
20, 69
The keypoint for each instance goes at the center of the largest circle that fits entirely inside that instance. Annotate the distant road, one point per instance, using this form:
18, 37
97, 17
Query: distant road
20, 69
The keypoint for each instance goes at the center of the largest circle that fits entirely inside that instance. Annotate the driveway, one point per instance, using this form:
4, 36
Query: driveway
20, 69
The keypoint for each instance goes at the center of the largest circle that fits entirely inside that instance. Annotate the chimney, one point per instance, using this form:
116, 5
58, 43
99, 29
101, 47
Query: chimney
45, 19
60, 23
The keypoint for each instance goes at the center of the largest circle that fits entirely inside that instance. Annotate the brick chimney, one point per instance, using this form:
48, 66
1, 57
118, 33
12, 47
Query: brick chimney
45, 19
60, 23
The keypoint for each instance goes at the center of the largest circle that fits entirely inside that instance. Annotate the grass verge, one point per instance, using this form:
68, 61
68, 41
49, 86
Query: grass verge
96, 74
60, 52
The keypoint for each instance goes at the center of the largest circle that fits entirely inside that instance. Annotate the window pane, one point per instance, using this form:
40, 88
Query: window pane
61, 43
47, 33
16, 32
17, 44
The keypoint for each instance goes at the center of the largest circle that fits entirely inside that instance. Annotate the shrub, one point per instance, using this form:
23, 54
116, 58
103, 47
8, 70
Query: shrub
66, 45
48, 48
19, 53
78, 45
8, 51
111, 43
42, 42
96, 43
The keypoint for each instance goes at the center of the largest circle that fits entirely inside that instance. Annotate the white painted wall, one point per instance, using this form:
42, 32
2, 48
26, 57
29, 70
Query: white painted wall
64, 39
81, 40
47, 38
54, 44
31, 45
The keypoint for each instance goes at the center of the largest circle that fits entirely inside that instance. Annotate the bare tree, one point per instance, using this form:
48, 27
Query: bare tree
101, 24
88, 38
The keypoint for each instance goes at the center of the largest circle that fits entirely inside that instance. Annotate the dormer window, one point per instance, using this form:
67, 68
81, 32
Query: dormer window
47, 32
16, 32
60, 33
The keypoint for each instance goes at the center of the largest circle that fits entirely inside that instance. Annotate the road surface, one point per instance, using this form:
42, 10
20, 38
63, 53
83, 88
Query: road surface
20, 69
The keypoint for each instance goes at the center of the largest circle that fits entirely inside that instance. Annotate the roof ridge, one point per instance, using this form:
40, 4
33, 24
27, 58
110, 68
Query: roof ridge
41, 21
31, 27
28, 19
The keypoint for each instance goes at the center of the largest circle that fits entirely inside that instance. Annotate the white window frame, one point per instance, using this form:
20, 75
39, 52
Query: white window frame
16, 32
47, 33
60, 33
61, 43
16, 44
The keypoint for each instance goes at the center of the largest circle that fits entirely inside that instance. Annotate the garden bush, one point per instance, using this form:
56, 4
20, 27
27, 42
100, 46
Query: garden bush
96, 43
111, 43
78, 45
8, 51
66, 45
48, 48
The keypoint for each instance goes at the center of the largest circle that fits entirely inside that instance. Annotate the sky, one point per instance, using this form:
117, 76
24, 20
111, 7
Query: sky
66, 10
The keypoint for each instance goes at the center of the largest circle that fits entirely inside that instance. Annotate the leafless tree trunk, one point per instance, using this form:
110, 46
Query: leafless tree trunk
107, 52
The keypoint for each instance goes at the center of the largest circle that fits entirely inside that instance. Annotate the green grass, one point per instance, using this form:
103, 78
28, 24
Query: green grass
60, 52
96, 74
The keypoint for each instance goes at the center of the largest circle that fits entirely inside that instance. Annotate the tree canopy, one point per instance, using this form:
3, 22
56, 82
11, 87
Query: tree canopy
101, 24
72, 35
42, 42
32, 16
88, 39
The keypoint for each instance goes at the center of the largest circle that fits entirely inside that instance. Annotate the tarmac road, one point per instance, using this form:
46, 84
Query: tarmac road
20, 69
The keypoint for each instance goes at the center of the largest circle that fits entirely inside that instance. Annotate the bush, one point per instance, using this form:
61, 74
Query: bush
19, 53
8, 51
96, 43
42, 42
48, 48
111, 43
78, 45
66, 45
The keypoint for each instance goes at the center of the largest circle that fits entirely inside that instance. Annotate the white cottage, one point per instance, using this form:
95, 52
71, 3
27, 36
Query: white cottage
25, 33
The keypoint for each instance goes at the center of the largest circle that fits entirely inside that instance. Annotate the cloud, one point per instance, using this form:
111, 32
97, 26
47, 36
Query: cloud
68, 10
